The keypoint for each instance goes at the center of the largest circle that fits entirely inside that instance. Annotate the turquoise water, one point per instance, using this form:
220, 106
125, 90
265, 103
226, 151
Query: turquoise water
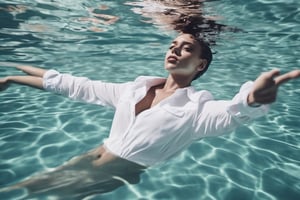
39, 130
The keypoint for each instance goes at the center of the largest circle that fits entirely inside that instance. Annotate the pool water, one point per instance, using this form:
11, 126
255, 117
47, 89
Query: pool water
40, 131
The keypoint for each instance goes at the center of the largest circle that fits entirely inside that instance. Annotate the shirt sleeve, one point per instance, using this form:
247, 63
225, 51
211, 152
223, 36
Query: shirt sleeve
220, 117
83, 89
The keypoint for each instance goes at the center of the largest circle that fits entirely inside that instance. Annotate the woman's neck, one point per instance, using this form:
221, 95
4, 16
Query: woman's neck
175, 82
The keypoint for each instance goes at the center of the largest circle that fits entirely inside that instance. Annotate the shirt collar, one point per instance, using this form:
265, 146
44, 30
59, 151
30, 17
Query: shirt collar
148, 81
189, 92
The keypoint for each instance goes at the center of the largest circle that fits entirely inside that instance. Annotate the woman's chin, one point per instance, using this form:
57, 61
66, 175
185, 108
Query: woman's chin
170, 67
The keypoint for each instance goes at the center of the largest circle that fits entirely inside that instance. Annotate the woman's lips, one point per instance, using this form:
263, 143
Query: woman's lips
172, 59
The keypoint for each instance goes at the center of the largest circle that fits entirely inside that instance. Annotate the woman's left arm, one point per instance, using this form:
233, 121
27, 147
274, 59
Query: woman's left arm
220, 117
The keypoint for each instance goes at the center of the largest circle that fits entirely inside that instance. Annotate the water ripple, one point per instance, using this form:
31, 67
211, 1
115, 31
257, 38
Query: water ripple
39, 131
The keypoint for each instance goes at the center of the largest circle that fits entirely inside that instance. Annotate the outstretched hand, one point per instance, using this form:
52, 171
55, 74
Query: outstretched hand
3, 83
266, 86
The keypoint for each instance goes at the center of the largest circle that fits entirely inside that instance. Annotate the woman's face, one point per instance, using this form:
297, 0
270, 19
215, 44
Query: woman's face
183, 56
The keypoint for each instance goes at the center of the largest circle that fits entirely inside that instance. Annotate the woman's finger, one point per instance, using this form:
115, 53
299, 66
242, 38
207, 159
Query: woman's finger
271, 74
287, 76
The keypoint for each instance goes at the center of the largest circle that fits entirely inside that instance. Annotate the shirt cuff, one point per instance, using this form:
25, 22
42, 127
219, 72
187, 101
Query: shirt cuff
240, 109
49, 81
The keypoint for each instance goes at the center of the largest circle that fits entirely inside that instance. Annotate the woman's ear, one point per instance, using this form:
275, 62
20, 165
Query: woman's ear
202, 65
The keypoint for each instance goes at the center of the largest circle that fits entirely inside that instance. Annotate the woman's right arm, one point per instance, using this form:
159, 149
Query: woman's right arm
78, 88
34, 78
33, 81
32, 71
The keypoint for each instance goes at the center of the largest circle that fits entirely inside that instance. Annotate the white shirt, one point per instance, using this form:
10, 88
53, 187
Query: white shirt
164, 130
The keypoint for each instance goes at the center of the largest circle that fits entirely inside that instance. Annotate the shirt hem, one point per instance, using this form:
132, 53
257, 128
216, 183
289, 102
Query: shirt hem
110, 151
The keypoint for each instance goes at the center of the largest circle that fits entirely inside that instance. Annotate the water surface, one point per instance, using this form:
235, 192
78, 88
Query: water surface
39, 130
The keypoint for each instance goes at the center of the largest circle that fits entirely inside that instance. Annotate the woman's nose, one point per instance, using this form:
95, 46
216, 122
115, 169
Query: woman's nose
176, 50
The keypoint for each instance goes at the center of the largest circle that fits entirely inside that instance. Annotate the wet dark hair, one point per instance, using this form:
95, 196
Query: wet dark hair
206, 54
205, 29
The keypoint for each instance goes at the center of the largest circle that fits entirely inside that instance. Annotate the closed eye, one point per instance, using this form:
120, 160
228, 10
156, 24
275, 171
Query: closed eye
189, 49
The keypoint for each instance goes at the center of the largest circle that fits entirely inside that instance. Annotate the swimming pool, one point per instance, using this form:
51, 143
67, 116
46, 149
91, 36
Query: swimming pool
40, 131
